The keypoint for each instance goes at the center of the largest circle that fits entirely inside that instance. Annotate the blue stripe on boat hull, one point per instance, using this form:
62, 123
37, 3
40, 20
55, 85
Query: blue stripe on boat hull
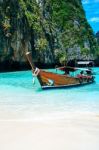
67, 86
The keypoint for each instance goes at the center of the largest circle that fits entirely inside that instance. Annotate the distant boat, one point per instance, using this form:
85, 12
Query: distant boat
57, 80
86, 63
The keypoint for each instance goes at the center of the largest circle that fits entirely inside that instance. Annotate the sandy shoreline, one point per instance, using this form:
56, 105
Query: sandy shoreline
72, 133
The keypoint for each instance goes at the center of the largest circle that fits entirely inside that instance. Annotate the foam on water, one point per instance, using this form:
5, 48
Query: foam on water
20, 99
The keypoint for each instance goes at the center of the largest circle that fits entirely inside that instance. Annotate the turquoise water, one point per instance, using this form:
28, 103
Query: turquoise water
20, 99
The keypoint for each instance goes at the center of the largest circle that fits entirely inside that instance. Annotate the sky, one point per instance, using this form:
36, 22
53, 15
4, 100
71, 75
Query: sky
91, 8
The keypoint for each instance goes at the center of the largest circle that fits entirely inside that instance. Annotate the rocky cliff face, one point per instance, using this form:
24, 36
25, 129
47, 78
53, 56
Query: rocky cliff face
97, 37
52, 30
97, 50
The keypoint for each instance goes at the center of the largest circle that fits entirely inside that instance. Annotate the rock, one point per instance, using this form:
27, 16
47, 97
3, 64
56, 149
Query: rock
59, 26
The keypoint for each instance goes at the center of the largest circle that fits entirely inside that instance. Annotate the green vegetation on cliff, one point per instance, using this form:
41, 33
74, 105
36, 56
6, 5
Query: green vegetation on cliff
52, 30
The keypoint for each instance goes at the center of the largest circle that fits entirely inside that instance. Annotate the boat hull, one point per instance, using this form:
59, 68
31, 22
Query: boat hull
66, 86
50, 80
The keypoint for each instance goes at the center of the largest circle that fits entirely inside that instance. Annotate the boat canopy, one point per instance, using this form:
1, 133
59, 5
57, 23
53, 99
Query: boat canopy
85, 62
66, 68
72, 69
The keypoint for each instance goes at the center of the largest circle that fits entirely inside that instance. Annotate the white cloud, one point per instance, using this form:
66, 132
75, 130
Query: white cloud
94, 19
85, 1
89, 1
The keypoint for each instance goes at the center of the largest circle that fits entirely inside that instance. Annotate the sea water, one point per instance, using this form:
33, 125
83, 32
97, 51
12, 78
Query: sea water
20, 98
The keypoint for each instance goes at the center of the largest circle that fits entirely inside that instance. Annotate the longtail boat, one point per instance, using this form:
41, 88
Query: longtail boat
57, 80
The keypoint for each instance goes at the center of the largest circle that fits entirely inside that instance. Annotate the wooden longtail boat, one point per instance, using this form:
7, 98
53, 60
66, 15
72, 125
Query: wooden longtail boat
55, 80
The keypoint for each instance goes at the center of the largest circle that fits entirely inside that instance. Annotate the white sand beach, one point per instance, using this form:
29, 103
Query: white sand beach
76, 132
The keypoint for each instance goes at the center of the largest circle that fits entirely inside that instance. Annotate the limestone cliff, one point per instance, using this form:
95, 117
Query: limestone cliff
97, 37
52, 30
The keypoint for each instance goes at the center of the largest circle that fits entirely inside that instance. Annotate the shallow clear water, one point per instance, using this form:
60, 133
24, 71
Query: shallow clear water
20, 99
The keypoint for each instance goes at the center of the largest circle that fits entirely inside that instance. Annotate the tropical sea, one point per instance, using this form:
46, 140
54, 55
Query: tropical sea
20, 99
